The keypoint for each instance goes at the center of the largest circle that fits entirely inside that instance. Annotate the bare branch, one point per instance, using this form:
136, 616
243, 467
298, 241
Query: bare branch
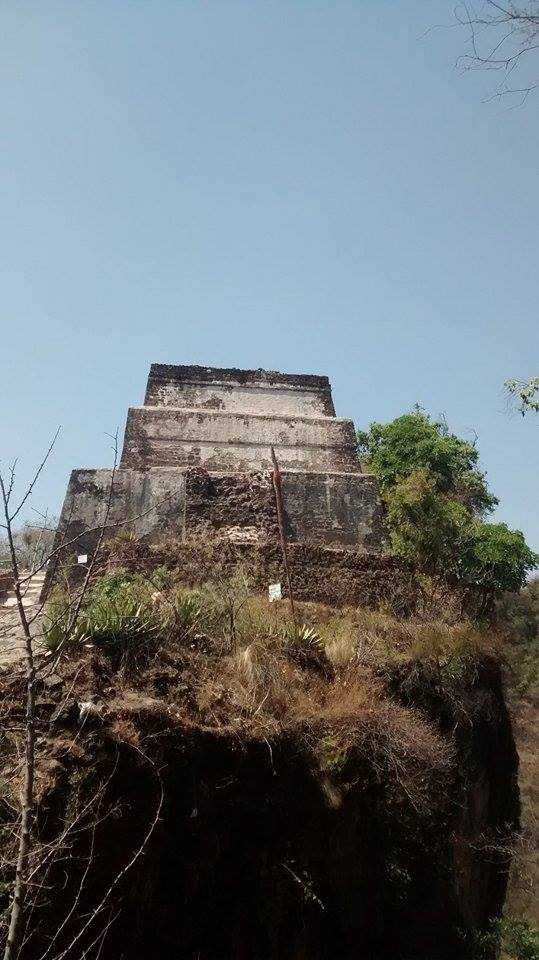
138, 853
502, 35
35, 477
11, 480
27, 798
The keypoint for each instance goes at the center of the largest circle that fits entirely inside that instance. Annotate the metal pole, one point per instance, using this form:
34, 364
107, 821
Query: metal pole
277, 486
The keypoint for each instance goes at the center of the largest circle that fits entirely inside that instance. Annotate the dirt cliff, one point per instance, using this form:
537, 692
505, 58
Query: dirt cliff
238, 788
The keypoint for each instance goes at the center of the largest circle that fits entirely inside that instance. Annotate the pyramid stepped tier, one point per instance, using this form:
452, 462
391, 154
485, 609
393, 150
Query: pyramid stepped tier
239, 391
328, 508
220, 440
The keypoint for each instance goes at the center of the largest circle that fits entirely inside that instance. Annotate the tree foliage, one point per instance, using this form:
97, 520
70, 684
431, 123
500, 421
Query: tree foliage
524, 393
436, 498
496, 557
413, 442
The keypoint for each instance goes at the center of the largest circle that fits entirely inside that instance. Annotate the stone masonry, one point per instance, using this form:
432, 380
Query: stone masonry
200, 447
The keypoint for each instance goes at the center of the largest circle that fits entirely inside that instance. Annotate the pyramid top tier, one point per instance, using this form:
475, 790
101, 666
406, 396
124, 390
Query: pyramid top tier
239, 391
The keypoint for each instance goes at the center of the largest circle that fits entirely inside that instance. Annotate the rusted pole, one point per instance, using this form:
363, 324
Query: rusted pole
277, 486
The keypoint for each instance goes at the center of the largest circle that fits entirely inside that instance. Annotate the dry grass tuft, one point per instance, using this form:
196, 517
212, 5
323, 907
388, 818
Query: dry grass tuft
261, 683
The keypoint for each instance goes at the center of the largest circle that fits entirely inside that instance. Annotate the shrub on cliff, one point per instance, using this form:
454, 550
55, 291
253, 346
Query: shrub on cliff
436, 498
512, 938
518, 613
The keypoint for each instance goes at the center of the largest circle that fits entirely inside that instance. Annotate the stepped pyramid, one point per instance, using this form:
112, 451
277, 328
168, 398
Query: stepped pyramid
221, 424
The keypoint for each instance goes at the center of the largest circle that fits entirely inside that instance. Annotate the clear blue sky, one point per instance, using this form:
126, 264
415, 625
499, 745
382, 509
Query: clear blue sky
303, 186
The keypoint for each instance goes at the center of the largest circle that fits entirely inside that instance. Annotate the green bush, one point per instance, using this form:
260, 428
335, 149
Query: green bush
119, 609
186, 609
495, 556
514, 937
107, 621
57, 622
415, 442
124, 618
124, 607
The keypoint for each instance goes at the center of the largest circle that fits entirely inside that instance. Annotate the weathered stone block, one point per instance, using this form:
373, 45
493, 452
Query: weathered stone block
338, 509
139, 502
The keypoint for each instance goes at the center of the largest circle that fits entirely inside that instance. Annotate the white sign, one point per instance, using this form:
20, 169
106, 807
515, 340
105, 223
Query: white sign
274, 592
82, 558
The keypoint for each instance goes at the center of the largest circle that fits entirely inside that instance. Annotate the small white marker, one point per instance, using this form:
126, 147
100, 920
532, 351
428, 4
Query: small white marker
274, 592
82, 558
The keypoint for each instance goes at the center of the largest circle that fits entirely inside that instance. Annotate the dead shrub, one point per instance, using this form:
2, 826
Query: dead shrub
359, 724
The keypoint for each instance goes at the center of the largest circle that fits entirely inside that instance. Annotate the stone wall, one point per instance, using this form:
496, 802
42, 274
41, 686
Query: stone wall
141, 503
333, 509
241, 506
319, 574
339, 510
336, 510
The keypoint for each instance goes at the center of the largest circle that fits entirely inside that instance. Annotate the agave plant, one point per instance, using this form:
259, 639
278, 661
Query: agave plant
117, 613
301, 634
126, 619
58, 629
186, 610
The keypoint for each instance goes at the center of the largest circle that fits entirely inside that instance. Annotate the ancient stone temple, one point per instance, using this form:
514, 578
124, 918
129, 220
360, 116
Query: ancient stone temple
197, 454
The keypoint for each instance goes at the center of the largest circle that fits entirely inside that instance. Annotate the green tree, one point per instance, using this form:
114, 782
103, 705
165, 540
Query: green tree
436, 498
496, 557
395, 450
425, 527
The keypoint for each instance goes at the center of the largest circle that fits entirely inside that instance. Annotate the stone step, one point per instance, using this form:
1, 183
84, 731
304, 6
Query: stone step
221, 440
31, 591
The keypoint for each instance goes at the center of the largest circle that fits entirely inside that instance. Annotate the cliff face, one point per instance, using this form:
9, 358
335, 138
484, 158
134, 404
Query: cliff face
267, 803
488, 820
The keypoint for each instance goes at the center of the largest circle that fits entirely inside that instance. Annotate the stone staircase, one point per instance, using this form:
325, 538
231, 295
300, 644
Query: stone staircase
32, 590
11, 634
